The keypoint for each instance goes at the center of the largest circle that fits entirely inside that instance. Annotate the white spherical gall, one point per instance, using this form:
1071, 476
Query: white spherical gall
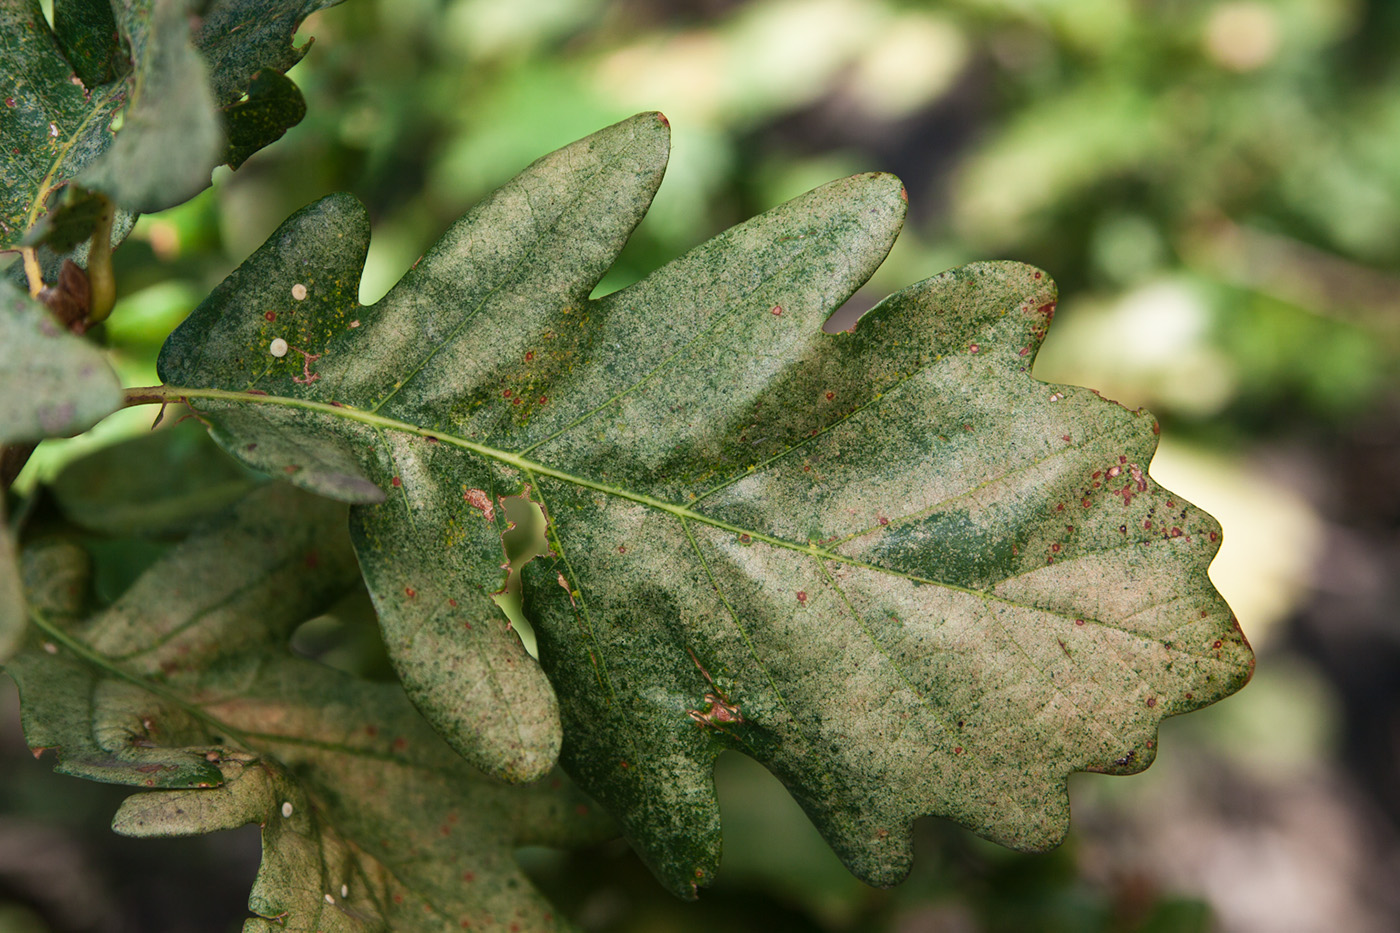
299, 291
287, 809
278, 347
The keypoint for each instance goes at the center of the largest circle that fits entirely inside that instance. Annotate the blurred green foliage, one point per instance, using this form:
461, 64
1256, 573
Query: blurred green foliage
1215, 184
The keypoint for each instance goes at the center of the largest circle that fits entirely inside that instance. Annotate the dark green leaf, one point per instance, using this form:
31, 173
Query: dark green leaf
891, 565
273, 105
53, 130
238, 38
71, 222
185, 686
53, 383
170, 138
159, 485
87, 36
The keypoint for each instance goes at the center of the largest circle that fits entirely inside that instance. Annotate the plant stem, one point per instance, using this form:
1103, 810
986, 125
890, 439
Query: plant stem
32, 272
99, 268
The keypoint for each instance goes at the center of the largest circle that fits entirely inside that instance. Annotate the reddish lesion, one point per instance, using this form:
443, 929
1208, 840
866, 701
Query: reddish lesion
719, 709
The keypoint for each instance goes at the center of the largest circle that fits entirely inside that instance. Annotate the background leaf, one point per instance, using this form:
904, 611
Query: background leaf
891, 565
88, 37
162, 484
170, 136
54, 383
184, 686
273, 103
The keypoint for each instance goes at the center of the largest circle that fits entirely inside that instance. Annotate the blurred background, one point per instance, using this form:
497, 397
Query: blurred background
1215, 186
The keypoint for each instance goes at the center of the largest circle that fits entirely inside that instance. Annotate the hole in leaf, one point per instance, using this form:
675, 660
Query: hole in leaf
523, 543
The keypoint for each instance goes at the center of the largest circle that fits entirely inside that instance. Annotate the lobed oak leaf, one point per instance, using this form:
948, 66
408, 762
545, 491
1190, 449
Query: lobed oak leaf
889, 564
185, 688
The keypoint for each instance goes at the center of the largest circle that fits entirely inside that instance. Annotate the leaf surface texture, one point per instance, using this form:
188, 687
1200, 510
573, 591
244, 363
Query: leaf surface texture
185, 688
889, 564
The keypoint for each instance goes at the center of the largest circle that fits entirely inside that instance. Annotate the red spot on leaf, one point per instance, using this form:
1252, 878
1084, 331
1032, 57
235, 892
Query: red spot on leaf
1217, 645
776, 310
1151, 702
270, 315
958, 750
1078, 621
529, 356
410, 592
452, 602
506, 394
397, 482
830, 396
622, 549
802, 596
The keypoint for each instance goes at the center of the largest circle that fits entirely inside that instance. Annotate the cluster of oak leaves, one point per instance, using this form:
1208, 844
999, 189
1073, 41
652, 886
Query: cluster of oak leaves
888, 564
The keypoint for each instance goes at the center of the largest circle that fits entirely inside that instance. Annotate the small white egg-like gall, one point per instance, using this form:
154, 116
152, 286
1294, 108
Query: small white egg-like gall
278, 347
299, 291
287, 809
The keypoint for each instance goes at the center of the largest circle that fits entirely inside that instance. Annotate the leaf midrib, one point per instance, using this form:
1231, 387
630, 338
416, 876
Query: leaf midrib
167, 394
348, 413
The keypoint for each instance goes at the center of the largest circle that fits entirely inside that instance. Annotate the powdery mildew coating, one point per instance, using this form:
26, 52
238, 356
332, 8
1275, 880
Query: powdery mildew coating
882, 559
